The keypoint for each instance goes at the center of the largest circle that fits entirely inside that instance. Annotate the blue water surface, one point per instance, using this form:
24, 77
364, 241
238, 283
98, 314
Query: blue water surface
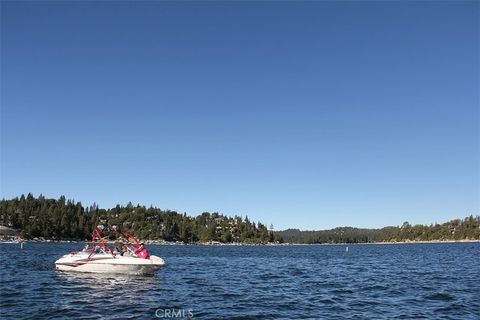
404, 281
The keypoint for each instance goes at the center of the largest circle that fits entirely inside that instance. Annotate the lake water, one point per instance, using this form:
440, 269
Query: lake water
440, 281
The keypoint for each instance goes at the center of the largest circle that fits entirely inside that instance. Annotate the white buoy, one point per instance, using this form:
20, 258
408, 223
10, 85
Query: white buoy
346, 249
21, 245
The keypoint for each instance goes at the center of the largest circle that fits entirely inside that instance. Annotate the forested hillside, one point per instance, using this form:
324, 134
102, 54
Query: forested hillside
466, 229
66, 219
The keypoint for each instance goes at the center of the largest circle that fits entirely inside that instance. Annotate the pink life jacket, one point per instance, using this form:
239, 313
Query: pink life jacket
142, 253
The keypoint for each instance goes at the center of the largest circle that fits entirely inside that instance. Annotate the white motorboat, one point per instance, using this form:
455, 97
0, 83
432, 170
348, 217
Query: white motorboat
101, 259
108, 263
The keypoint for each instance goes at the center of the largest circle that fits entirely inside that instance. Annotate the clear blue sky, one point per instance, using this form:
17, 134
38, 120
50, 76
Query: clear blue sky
300, 114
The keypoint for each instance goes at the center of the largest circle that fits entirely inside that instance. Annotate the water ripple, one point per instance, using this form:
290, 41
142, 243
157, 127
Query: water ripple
296, 282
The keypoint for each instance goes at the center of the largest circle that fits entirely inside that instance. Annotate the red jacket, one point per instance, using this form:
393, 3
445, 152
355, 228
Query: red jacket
142, 253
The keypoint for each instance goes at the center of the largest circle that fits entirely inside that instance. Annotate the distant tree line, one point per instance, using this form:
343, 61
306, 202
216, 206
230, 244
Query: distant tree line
65, 219
466, 229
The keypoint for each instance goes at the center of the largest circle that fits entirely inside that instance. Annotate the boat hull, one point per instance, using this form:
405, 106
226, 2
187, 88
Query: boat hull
106, 263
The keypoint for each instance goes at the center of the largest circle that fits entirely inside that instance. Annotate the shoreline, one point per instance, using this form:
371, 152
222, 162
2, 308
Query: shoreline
236, 244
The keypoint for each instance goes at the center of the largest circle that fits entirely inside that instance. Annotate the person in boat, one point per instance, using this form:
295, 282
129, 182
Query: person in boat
117, 249
142, 252
124, 250
86, 247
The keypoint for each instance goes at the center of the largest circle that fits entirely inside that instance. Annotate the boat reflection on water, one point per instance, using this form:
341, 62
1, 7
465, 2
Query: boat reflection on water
108, 293
101, 282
